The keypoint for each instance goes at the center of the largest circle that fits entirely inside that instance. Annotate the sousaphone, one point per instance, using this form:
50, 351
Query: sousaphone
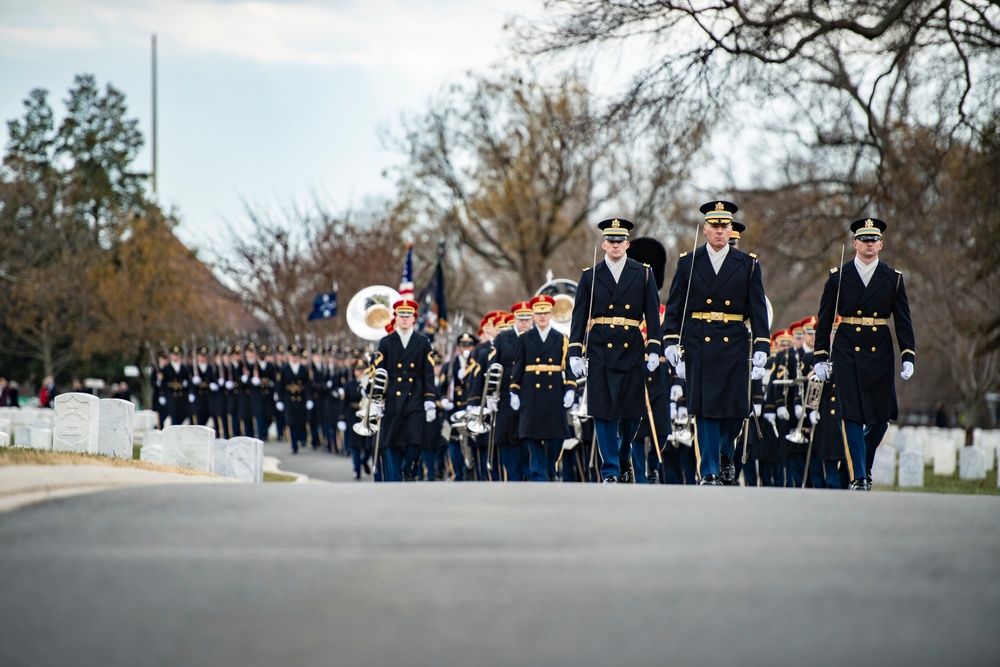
370, 310
563, 291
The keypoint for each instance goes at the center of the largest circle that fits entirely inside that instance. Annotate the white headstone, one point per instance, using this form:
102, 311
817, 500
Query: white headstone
44, 417
890, 436
5, 426
152, 447
884, 466
4, 440
41, 438
22, 436
972, 463
221, 457
911, 469
145, 420
189, 447
77, 427
115, 437
944, 458
246, 459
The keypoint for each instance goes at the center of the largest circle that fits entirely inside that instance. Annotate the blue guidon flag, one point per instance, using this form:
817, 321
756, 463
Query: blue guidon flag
324, 306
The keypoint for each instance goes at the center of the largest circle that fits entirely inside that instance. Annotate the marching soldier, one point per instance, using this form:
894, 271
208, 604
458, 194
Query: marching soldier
295, 393
174, 397
409, 396
865, 292
359, 445
458, 399
203, 378
514, 458
721, 287
615, 296
434, 443
541, 391
268, 387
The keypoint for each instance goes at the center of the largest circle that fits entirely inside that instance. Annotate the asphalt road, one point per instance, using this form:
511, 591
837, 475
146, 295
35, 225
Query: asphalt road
490, 574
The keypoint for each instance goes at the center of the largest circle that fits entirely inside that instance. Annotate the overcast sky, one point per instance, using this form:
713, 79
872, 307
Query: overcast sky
268, 100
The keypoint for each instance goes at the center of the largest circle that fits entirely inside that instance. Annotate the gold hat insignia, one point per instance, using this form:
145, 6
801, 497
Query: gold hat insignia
615, 224
869, 224
719, 206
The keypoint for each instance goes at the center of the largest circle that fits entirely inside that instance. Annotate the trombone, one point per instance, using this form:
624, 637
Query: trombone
480, 422
370, 422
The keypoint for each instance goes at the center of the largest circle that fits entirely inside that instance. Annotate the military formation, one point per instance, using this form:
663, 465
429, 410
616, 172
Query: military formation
622, 389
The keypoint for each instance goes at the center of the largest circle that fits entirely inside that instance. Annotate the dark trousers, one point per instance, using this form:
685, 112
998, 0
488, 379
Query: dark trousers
862, 441
392, 464
514, 460
612, 436
298, 438
715, 436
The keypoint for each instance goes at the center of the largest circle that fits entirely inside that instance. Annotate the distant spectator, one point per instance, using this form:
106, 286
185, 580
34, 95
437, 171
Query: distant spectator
4, 390
13, 395
940, 416
48, 392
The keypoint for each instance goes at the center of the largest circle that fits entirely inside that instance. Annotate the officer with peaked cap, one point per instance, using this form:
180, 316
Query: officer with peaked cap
870, 292
722, 288
294, 392
614, 297
409, 394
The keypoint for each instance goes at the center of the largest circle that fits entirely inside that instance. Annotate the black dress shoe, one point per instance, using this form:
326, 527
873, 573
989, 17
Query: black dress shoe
368, 468
613, 479
710, 480
626, 477
860, 485
357, 475
653, 477
727, 471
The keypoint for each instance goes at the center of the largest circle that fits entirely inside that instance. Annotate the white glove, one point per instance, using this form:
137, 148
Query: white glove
244, 378
577, 365
515, 402
907, 371
681, 370
196, 380
676, 392
446, 404
276, 397
429, 405
309, 405
673, 354
461, 373
798, 412
757, 373
163, 400
568, 398
759, 359
783, 413
329, 384
341, 425
230, 385
430, 410
185, 383
673, 411
769, 416
279, 406
652, 361
682, 412
491, 403
213, 386
757, 408
255, 381
431, 415
339, 393
814, 417
821, 370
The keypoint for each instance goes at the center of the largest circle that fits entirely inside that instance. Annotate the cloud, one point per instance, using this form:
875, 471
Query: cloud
412, 35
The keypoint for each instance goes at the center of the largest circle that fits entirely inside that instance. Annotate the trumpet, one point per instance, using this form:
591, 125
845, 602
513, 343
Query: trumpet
479, 422
369, 423
814, 392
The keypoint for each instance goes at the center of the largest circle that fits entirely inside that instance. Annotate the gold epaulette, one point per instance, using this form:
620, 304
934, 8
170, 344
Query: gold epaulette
898, 271
834, 270
586, 269
753, 254
684, 254
646, 265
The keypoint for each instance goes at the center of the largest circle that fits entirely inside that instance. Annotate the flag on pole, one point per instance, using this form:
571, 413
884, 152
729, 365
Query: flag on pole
324, 306
406, 283
433, 316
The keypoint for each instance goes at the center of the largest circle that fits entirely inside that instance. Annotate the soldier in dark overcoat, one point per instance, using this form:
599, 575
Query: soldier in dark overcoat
614, 297
514, 458
409, 396
722, 288
295, 393
870, 292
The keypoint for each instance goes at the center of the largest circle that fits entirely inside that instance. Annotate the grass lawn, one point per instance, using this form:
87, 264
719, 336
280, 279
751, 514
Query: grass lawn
951, 484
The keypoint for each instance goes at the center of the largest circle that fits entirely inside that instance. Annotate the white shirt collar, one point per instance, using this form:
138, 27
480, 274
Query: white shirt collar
615, 267
866, 272
543, 333
405, 337
717, 257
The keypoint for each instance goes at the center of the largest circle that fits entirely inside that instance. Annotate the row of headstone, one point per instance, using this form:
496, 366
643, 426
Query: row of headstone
197, 448
905, 449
